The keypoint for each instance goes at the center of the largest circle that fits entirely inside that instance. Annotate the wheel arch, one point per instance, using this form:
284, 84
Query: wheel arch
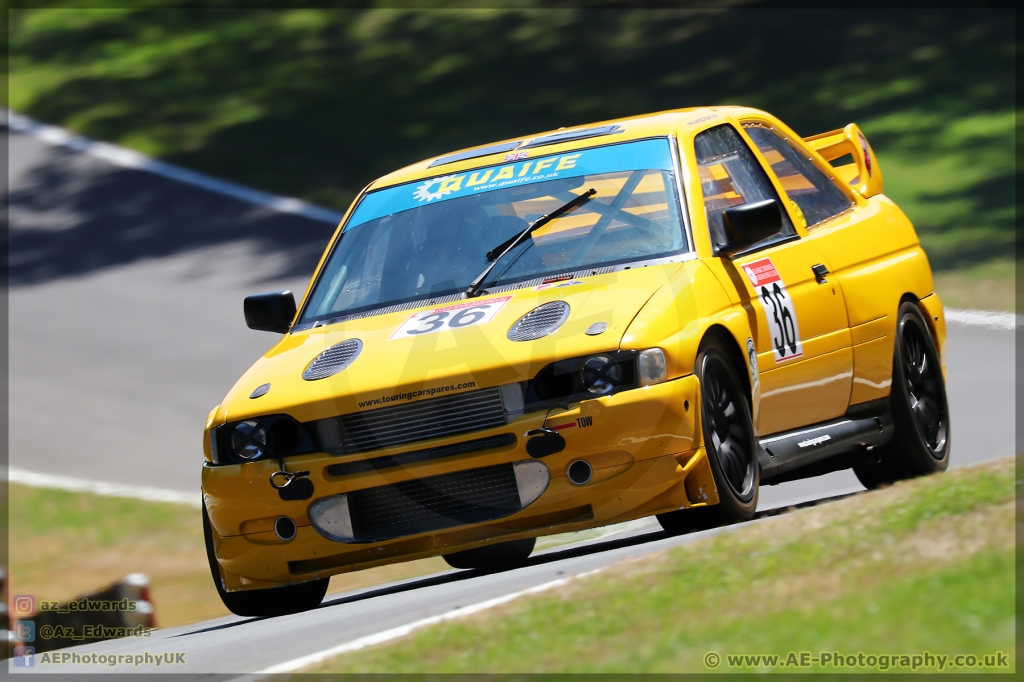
910, 297
722, 334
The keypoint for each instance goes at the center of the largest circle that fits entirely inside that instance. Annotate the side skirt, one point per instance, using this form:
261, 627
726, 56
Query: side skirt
828, 446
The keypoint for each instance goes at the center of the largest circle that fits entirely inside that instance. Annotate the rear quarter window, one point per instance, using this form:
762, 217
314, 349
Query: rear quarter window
818, 197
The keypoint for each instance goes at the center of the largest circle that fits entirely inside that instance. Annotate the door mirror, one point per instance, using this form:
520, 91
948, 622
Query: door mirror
749, 224
270, 312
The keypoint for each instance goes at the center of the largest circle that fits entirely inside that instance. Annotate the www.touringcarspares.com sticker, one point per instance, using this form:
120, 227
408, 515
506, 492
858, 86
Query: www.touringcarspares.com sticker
403, 396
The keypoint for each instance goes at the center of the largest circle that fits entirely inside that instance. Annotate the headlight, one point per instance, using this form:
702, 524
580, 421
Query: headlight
600, 374
285, 436
269, 436
249, 440
582, 378
652, 366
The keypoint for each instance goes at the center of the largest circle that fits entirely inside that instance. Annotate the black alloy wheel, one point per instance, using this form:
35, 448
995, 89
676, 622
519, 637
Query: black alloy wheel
920, 442
730, 445
730, 440
925, 392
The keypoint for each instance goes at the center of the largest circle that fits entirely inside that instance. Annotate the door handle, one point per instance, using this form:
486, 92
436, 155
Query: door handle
819, 271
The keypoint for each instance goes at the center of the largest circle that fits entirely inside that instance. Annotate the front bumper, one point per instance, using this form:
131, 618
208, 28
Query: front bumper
643, 444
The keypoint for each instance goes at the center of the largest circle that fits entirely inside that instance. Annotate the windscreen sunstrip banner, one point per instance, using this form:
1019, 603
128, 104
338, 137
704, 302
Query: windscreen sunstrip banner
629, 156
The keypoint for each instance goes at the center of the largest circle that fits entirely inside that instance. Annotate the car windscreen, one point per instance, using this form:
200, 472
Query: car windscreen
431, 238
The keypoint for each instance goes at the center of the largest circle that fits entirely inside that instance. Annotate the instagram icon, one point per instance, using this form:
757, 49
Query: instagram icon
24, 604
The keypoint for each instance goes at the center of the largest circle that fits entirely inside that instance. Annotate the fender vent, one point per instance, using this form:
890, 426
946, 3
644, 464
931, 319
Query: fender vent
333, 360
539, 322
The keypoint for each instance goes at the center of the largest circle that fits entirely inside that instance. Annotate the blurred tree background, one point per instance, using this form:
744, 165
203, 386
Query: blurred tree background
318, 102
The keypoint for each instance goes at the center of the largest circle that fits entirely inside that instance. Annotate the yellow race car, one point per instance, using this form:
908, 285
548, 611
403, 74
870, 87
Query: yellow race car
648, 316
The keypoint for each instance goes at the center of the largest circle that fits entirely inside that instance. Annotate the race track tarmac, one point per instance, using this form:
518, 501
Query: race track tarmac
126, 327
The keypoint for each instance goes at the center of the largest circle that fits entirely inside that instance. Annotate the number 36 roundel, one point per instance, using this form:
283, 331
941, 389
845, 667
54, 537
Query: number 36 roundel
778, 308
450, 317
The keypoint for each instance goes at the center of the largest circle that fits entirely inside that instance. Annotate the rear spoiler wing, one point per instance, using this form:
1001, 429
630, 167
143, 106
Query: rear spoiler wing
863, 174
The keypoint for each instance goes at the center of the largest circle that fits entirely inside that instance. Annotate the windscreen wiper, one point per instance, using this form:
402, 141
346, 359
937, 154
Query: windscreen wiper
495, 254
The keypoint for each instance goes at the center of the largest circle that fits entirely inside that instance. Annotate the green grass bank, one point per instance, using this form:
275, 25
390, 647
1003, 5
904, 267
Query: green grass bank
316, 103
64, 545
923, 566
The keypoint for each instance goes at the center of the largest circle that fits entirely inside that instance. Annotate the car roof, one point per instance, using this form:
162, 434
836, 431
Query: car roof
632, 128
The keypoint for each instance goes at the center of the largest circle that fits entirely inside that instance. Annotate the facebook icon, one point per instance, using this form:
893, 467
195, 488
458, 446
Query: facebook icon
24, 657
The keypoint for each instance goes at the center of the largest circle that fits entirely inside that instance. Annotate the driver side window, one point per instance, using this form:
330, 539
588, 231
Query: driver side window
730, 176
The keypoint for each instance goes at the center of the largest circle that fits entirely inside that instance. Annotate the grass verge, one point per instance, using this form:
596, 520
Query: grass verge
925, 565
990, 286
318, 102
64, 544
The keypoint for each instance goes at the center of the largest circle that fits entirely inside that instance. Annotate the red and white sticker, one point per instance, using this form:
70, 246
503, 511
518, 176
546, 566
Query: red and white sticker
867, 152
451, 317
778, 308
557, 285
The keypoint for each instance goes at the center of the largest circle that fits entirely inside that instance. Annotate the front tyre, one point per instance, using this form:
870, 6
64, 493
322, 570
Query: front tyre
920, 443
495, 557
275, 601
730, 446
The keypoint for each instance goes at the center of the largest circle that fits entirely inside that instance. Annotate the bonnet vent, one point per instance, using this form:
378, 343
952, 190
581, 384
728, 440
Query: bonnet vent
333, 360
539, 322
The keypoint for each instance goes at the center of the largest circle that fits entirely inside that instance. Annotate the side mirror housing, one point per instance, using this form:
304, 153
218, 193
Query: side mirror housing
749, 224
270, 312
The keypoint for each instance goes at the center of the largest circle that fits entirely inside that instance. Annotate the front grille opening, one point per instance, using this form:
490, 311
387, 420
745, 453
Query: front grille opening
434, 503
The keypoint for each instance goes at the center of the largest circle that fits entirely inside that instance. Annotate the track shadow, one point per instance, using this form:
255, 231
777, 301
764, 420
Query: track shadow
320, 105
421, 583
549, 557
75, 215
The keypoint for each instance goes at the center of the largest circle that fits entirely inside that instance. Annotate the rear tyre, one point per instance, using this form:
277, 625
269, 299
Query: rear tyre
730, 445
493, 557
920, 443
276, 601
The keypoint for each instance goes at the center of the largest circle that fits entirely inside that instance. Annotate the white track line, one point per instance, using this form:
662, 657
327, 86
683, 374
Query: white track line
403, 630
984, 318
126, 158
78, 485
